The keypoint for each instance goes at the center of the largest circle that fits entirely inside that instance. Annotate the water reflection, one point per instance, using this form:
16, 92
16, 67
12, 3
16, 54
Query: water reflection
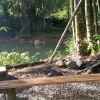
74, 91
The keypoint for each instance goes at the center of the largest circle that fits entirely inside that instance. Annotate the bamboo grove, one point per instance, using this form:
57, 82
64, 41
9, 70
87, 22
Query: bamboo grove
85, 26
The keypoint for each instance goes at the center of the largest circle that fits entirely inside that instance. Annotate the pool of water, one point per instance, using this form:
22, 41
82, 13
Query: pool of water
42, 49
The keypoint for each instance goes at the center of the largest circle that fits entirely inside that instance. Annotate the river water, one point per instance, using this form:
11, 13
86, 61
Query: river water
73, 91
39, 47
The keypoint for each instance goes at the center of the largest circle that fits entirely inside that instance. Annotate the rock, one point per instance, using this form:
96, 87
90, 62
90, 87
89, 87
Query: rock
79, 63
54, 72
60, 63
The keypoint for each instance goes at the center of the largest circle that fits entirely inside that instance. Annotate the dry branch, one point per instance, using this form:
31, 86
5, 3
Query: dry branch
95, 68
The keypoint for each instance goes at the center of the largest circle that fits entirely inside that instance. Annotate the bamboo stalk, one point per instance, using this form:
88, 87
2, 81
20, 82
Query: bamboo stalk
66, 29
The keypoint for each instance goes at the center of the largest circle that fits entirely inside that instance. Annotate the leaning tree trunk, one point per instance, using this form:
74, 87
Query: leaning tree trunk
80, 28
89, 23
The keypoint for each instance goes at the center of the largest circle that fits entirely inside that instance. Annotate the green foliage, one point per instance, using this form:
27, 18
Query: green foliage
7, 58
60, 14
4, 29
27, 16
36, 57
96, 44
59, 54
35, 7
70, 47
97, 37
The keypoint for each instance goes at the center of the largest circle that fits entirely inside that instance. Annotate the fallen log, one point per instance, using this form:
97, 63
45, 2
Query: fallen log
38, 68
45, 69
18, 66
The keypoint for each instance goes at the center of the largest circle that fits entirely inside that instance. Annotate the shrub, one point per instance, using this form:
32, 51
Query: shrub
7, 58
96, 42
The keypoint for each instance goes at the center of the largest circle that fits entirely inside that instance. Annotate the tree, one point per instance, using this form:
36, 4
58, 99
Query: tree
95, 16
80, 26
73, 22
89, 23
33, 12
85, 26
98, 5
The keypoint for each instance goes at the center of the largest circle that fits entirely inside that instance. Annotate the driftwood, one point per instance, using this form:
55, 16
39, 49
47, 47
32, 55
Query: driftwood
35, 69
45, 69
94, 68
18, 66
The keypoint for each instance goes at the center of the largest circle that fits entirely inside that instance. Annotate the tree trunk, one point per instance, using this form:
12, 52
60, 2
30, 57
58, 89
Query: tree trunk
98, 5
80, 26
96, 9
64, 32
95, 16
89, 23
73, 22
